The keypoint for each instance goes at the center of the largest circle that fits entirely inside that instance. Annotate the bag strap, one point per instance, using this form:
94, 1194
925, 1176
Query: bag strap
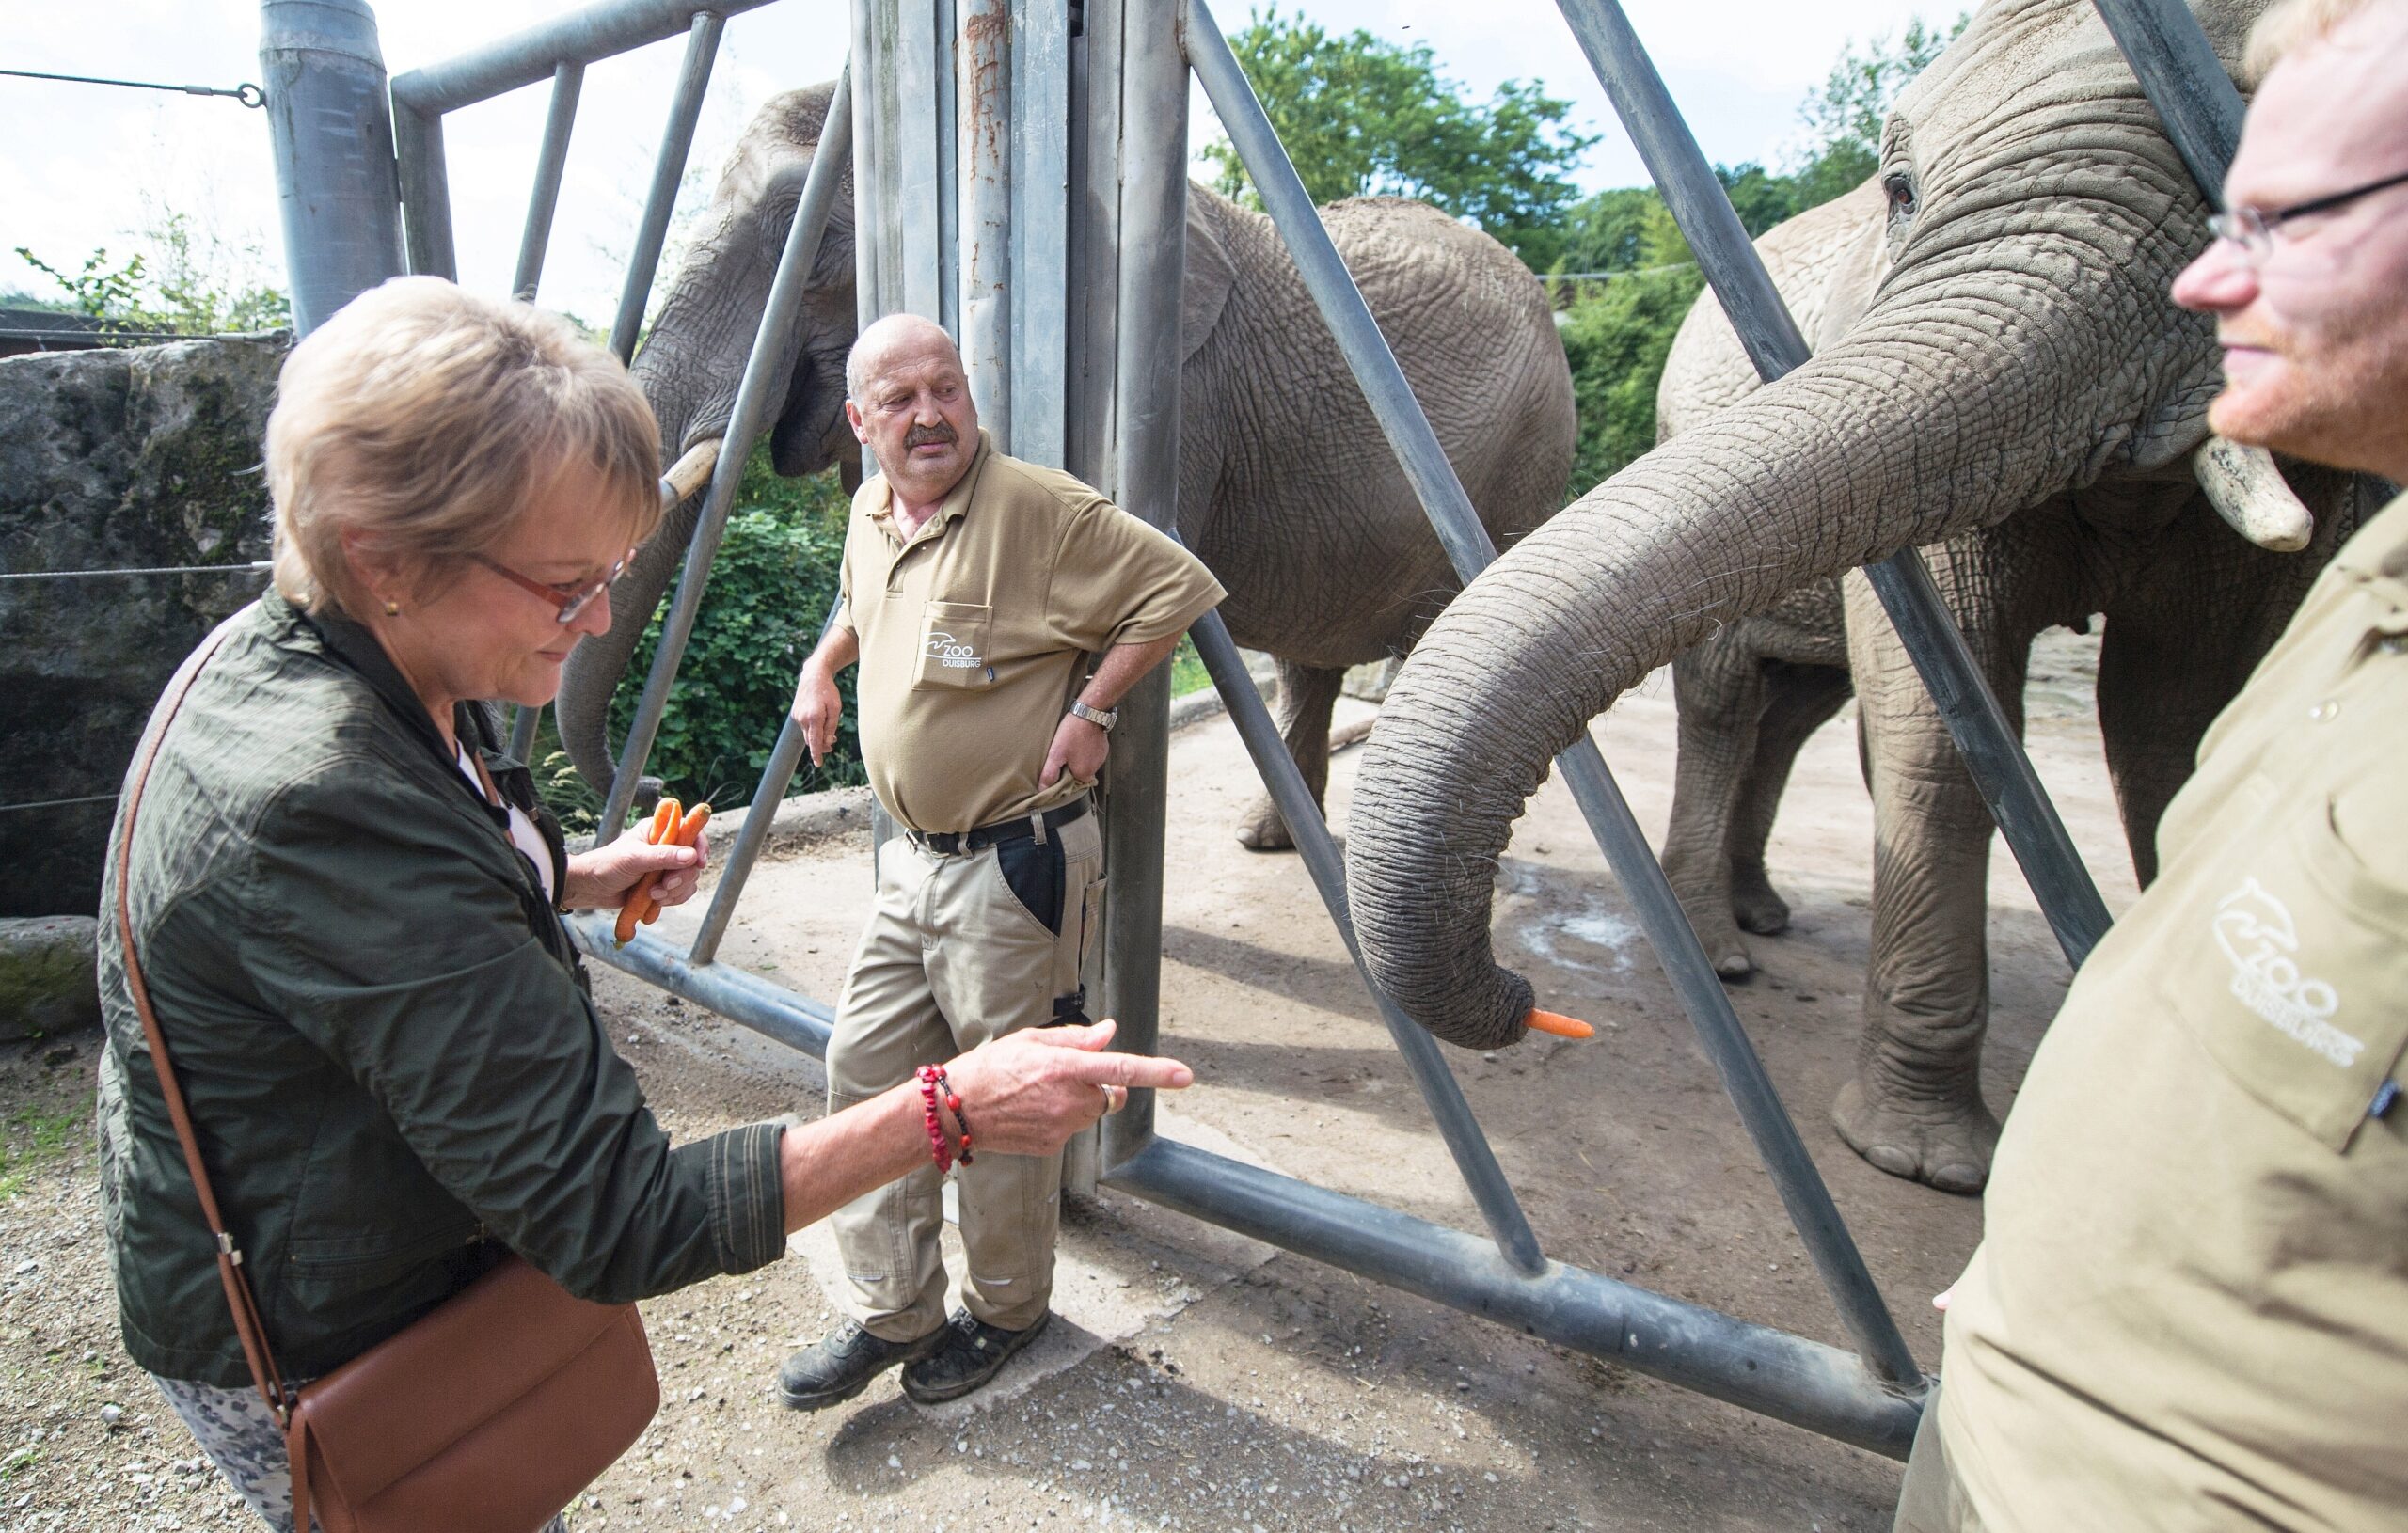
264, 1376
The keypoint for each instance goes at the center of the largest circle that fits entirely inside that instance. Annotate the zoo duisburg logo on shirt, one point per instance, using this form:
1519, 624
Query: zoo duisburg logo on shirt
2255, 931
953, 655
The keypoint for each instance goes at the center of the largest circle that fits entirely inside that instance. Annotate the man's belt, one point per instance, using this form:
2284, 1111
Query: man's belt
946, 843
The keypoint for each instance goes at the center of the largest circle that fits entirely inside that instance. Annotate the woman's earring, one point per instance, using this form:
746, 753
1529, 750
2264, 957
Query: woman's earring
393, 609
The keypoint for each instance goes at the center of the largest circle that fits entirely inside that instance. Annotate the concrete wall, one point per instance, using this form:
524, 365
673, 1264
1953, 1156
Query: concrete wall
143, 456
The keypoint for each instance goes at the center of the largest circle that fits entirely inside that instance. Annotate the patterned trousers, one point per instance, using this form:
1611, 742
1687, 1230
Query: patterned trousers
235, 1429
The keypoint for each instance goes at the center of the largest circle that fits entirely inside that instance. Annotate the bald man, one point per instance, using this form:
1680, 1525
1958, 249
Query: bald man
2189, 1306
975, 588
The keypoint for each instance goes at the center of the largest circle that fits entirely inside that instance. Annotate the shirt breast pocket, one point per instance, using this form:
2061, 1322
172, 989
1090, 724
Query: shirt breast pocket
955, 639
2293, 974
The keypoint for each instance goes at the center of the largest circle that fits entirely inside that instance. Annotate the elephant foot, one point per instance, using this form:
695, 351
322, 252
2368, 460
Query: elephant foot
1266, 831
1943, 1141
1755, 907
1722, 941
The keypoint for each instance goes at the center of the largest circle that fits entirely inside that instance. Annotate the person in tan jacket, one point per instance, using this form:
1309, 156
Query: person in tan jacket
2189, 1305
976, 588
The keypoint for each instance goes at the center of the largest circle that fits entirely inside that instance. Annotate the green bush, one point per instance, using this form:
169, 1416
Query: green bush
770, 589
1616, 342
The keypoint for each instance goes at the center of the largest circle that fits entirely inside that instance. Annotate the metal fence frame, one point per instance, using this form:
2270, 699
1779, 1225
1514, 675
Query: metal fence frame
1109, 120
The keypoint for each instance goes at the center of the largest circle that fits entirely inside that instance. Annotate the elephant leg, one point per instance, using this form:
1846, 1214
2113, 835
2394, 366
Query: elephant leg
1307, 695
1719, 692
1915, 1107
1800, 699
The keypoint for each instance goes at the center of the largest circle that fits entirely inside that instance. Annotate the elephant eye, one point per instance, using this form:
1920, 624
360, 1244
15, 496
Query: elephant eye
1902, 194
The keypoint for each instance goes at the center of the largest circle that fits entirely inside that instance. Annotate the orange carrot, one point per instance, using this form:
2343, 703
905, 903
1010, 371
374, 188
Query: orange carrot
689, 830
1562, 1027
664, 822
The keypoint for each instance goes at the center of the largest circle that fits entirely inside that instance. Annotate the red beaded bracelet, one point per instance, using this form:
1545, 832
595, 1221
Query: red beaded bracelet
933, 1087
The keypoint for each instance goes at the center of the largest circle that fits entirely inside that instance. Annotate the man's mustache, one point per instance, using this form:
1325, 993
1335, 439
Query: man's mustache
923, 435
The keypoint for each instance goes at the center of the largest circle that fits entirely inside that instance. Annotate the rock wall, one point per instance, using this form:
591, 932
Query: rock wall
141, 457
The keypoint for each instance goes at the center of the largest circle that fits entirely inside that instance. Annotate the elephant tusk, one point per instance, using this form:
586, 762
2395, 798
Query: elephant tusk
689, 473
2247, 490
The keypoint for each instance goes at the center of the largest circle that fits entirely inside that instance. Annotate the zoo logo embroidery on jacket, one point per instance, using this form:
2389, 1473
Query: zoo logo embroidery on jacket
952, 653
2255, 931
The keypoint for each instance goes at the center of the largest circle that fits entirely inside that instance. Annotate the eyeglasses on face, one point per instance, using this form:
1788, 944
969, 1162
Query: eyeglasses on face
2253, 228
567, 600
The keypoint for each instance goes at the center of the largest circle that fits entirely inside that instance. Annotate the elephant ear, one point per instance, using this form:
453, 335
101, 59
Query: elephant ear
1210, 276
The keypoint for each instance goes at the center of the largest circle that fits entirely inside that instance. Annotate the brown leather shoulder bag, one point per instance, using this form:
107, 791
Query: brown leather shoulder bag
486, 1415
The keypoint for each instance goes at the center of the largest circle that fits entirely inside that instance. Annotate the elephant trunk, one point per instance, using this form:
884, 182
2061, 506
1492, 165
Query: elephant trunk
1872, 447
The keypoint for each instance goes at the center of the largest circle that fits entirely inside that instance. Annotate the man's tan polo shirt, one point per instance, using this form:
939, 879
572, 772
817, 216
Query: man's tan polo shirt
973, 634
2191, 1308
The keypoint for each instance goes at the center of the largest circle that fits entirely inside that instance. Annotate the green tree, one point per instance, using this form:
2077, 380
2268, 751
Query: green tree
1616, 342
1843, 116
1359, 116
185, 283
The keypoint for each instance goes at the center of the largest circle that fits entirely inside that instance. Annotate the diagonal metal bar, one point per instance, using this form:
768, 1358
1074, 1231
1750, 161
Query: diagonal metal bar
585, 36
765, 371
1409, 434
2183, 79
668, 172
1993, 756
1439, 1089
785, 758
568, 83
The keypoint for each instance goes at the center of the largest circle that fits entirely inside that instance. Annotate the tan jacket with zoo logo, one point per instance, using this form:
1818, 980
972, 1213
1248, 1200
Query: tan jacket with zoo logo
2190, 1309
972, 633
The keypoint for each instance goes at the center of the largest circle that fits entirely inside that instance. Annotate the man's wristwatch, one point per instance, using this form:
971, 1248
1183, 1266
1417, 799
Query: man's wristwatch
1102, 719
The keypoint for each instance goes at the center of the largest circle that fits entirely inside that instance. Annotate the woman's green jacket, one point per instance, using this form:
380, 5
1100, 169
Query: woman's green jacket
393, 1070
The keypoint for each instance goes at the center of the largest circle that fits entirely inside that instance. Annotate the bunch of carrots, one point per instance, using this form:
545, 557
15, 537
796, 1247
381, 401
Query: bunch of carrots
675, 824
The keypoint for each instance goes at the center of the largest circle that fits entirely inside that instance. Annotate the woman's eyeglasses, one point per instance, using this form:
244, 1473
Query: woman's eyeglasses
568, 601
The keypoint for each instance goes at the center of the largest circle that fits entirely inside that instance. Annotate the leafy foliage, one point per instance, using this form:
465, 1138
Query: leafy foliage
1359, 114
1616, 342
770, 589
187, 283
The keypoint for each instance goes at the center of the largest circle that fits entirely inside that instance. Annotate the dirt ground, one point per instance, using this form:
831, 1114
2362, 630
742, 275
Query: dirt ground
1194, 1380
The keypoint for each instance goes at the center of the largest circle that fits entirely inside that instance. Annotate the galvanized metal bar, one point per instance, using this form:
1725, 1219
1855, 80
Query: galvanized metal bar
913, 110
426, 192
1041, 172
1089, 428
1151, 231
522, 732
1444, 1096
1459, 530
333, 144
667, 174
982, 52
773, 356
869, 176
580, 36
2183, 79
1771, 1372
550, 162
949, 286
1993, 754
766, 1007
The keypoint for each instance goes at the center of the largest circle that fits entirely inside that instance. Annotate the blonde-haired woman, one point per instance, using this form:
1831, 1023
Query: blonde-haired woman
345, 900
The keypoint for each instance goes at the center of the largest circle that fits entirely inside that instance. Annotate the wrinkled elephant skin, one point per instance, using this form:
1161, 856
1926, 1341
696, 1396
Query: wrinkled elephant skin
1287, 488
1995, 349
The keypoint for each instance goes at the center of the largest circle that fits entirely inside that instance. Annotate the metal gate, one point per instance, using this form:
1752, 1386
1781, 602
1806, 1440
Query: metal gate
1047, 139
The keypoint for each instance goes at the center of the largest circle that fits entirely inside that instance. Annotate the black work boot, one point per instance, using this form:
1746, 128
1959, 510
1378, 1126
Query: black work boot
974, 1352
844, 1363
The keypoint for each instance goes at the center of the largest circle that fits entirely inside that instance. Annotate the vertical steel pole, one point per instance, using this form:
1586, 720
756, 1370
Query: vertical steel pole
1152, 270
668, 172
568, 80
982, 56
426, 190
333, 141
1407, 429
1993, 756
1041, 172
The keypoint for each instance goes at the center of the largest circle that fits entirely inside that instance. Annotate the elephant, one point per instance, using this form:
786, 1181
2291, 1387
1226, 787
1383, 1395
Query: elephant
1997, 354
1286, 488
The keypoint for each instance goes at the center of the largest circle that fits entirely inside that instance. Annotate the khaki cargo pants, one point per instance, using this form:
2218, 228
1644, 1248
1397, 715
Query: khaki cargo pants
960, 948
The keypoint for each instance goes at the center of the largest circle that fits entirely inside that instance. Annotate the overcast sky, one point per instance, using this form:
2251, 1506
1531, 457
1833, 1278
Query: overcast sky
89, 166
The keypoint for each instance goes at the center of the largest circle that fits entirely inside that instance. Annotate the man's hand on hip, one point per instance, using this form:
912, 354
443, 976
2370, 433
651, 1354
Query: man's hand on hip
817, 709
1079, 748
